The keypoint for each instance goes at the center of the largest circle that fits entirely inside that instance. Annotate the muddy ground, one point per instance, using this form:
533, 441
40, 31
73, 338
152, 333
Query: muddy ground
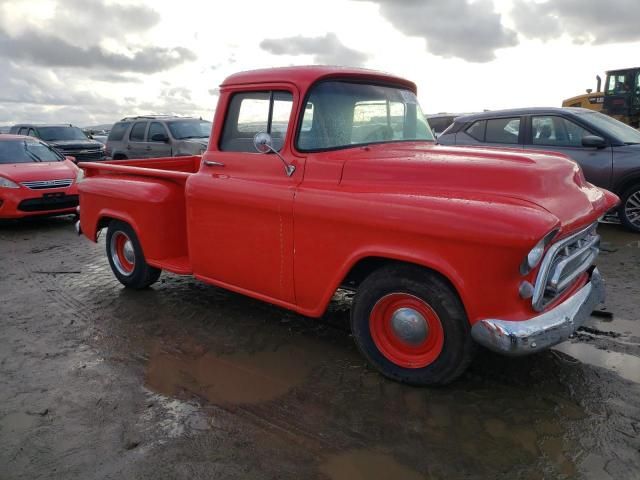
185, 380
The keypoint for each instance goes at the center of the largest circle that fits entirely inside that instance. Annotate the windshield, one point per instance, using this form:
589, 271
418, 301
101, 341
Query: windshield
54, 134
184, 129
27, 151
343, 114
622, 132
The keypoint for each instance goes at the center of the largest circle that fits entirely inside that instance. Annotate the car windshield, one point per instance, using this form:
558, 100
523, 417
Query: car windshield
622, 132
183, 129
341, 114
27, 151
53, 134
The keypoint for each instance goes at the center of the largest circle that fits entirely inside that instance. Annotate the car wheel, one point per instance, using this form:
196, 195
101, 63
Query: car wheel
411, 325
629, 210
126, 257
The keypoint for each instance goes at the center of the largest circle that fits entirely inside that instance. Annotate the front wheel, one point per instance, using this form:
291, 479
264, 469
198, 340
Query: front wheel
629, 210
126, 257
411, 325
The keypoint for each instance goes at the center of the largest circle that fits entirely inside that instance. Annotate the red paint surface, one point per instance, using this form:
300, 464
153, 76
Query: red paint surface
470, 214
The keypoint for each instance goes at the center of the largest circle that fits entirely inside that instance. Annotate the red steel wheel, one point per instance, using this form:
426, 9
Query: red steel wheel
122, 253
406, 330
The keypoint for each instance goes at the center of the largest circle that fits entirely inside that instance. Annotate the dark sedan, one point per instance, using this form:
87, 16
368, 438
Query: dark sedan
607, 150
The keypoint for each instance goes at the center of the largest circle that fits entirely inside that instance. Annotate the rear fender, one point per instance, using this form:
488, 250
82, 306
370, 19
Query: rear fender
155, 209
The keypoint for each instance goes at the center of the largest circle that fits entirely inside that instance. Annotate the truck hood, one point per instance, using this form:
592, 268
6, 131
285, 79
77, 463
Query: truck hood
551, 181
38, 171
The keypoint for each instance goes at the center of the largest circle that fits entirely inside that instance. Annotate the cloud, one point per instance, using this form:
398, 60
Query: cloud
472, 31
325, 50
110, 77
50, 51
595, 22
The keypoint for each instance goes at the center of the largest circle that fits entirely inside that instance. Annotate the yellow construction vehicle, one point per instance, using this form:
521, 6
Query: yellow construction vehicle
591, 100
620, 98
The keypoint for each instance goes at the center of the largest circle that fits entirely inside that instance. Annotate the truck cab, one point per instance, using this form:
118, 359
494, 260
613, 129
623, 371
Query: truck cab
317, 178
622, 96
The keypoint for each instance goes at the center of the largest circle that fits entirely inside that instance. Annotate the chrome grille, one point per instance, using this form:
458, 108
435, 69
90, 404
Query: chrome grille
563, 263
42, 184
82, 155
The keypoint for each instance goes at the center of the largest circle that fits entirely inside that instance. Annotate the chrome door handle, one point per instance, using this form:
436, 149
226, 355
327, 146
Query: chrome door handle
211, 163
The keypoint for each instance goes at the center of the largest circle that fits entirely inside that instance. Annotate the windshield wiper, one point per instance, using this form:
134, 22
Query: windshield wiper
33, 156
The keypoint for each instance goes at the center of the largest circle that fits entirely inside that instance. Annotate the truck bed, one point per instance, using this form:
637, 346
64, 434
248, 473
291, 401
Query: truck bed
170, 168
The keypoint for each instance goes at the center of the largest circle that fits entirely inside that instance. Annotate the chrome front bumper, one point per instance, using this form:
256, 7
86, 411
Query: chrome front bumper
516, 338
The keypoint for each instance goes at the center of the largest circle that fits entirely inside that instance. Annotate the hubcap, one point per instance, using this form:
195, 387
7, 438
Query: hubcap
122, 253
632, 208
409, 326
406, 330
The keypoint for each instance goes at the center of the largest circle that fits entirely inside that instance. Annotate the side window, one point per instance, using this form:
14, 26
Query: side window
477, 129
618, 84
118, 130
503, 130
23, 131
157, 128
137, 132
556, 131
32, 133
253, 112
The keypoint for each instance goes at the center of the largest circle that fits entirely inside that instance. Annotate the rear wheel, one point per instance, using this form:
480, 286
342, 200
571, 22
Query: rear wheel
411, 325
126, 257
629, 210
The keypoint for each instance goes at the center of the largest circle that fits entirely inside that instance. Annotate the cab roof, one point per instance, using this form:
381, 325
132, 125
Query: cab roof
305, 76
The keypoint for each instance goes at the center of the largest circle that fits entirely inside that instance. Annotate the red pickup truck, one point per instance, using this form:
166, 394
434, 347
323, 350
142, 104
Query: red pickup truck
317, 178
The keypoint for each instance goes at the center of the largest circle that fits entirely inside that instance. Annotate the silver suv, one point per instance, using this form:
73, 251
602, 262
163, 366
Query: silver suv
153, 136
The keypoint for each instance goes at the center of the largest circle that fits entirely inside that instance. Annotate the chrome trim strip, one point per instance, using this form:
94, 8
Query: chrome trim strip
547, 262
517, 338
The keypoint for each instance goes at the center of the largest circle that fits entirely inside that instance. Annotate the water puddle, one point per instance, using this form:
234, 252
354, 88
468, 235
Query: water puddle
367, 465
237, 378
627, 366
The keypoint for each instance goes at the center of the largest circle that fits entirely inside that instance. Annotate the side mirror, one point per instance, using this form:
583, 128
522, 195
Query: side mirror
264, 144
73, 159
159, 137
593, 141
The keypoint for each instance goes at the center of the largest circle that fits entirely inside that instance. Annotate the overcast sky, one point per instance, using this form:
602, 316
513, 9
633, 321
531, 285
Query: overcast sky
95, 61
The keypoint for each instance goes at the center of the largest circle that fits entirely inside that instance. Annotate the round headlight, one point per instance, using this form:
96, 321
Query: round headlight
534, 257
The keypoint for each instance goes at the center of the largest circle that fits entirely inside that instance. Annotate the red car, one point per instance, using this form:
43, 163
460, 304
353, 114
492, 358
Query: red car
35, 179
317, 178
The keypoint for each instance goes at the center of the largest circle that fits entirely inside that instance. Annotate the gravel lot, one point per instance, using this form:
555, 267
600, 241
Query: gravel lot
186, 380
